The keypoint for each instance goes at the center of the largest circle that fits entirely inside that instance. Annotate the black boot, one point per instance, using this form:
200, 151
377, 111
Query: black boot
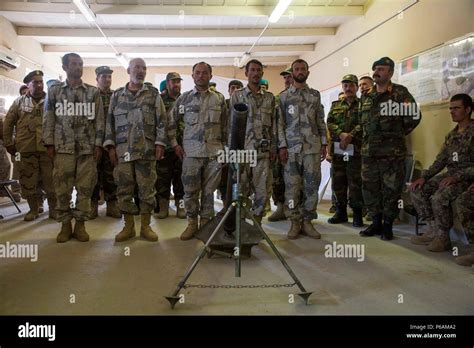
375, 228
340, 216
387, 233
357, 217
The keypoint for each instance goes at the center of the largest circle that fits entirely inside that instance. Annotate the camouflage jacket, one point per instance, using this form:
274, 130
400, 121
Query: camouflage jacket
301, 126
25, 120
106, 100
456, 155
205, 123
169, 103
260, 134
136, 123
384, 132
344, 117
74, 119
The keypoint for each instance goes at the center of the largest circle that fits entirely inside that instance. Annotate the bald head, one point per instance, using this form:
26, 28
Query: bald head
137, 71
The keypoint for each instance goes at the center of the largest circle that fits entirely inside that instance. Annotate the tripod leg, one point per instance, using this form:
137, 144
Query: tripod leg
174, 298
304, 294
238, 239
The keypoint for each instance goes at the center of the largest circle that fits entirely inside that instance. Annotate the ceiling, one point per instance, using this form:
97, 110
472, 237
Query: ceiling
177, 32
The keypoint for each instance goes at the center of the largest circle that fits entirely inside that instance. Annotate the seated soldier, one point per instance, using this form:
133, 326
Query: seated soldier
465, 209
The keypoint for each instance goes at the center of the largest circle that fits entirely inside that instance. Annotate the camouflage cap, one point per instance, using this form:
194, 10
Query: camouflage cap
350, 78
387, 61
173, 76
31, 75
104, 69
286, 72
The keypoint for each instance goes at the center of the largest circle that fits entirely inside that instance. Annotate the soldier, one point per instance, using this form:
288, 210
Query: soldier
278, 183
73, 133
465, 209
365, 85
25, 119
233, 86
433, 194
135, 139
302, 146
259, 135
387, 114
343, 124
105, 169
205, 128
169, 168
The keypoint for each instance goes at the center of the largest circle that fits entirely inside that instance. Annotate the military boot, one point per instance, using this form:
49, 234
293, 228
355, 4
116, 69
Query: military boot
128, 230
357, 220
340, 216
191, 229
164, 205
387, 232
66, 232
53, 213
466, 260
440, 243
309, 230
374, 228
279, 213
145, 230
113, 210
427, 237
94, 210
33, 213
295, 229
80, 232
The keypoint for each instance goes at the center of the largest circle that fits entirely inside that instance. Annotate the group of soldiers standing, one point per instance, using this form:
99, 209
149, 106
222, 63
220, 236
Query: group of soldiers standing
135, 143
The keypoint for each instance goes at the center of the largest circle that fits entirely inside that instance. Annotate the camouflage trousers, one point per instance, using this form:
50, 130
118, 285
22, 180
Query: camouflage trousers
33, 167
74, 171
16, 188
302, 178
140, 174
105, 180
258, 180
200, 176
278, 182
383, 179
5, 165
433, 203
223, 181
465, 209
345, 176
168, 171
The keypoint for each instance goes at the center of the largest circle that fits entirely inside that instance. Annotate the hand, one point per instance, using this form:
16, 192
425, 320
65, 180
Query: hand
329, 158
471, 188
450, 180
11, 150
283, 154
98, 153
113, 156
50, 151
346, 139
159, 151
417, 183
324, 152
178, 150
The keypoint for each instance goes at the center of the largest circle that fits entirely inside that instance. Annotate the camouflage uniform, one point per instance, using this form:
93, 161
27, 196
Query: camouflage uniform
343, 117
384, 150
169, 168
5, 165
135, 125
301, 129
74, 131
261, 129
24, 119
204, 134
465, 208
434, 203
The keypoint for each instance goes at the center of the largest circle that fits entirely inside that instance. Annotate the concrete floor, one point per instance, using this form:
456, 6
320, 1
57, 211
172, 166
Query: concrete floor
105, 281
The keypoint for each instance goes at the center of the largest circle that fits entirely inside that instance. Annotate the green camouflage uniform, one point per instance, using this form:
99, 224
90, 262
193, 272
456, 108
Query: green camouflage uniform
260, 136
136, 123
343, 117
74, 129
302, 130
204, 135
384, 150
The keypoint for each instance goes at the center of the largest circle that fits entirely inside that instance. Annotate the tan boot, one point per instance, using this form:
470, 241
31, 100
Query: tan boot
128, 230
190, 230
164, 209
180, 212
66, 232
80, 232
309, 230
295, 229
440, 243
53, 213
426, 238
33, 213
279, 213
145, 230
466, 260
203, 222
94, 210
113, 210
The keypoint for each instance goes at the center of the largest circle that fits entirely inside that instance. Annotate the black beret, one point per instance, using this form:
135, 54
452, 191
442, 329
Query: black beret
31, 75
384, 61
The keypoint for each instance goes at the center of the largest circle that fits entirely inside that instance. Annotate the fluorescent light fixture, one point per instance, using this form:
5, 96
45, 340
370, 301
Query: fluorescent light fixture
85, 10
123, 61
245, 58
279, 9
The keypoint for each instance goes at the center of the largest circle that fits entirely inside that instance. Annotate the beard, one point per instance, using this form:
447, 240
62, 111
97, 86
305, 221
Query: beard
300, 79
